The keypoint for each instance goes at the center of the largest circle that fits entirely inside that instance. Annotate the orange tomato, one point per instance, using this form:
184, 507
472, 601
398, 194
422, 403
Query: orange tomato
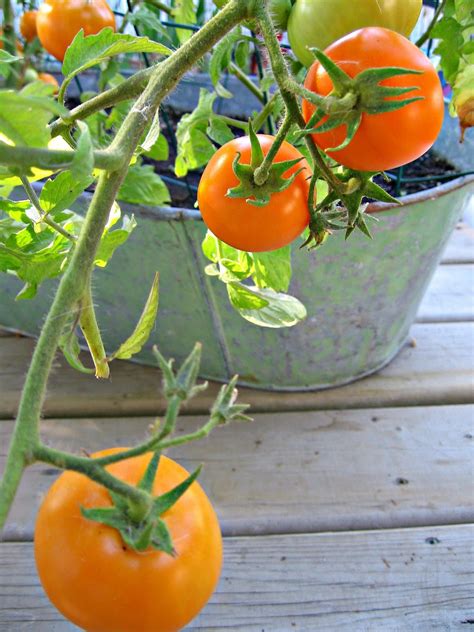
59, 21
101, 585
242, 225
28, 25
389, 139
45, 77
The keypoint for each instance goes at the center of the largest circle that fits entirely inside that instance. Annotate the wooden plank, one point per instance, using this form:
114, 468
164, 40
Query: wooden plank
300, 472
411, 580
460, 248
451, 295
434, 368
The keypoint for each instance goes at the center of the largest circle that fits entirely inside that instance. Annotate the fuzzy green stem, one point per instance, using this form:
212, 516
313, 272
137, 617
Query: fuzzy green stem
128, 89
282, 76
31, 193
90, 468
426, 36
261, 173
262, 116
90, 329
73, 283
160, 5
232, 122
54, 159
247, 82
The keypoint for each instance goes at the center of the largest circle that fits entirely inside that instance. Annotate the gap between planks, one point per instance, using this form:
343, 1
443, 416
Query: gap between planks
299, 472
409, 580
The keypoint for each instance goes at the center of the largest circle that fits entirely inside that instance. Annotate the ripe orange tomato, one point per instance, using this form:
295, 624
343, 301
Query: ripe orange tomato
59, 21
242, 225
28, 25
45, 77
101, 585
389, 139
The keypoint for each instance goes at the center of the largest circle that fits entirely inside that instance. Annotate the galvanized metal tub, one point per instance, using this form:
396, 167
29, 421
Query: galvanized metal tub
361, 296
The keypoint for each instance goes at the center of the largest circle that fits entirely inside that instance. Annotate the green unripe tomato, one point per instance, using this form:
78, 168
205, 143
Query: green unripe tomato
280, 11
319, 23
30, 75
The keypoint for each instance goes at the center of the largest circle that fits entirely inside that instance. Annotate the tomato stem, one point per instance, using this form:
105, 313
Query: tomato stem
90, 329
261, 173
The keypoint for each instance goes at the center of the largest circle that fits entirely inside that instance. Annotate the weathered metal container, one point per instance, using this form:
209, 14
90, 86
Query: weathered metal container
361, 296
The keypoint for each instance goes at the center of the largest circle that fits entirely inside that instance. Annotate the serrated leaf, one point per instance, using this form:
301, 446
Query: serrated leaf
85, 52
143, 186
61, 192
281, 310
219, 131
82, 164
144, 327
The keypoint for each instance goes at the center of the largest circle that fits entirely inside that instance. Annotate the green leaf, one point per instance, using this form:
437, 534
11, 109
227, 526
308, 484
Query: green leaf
243, 298
143, 186
220, 61
144, 327
273, 269
69, 345
24, 119
184, 12
281, 310
194, 147
219, 131
149, 24
85, 52
160, 150
60, 193
83, 161
153, 133
111, 240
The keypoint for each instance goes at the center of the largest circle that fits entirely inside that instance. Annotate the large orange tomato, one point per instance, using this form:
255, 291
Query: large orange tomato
390, 139
101, 585
245, 226
59, 21
28, 25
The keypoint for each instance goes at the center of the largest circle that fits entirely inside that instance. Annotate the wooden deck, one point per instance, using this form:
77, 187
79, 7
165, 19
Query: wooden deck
350, 509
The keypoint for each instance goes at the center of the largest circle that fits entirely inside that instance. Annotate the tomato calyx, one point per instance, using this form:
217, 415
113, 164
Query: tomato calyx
142, 528
346, 211
260, 194
370, 97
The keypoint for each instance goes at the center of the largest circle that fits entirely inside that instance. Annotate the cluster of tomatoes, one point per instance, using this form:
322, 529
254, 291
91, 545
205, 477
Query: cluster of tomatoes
383, 141
57, 22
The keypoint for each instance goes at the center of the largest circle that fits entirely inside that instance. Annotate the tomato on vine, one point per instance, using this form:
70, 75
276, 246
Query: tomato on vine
239, 223
59, 21
28, 25
319, 23
389, 139
102, 585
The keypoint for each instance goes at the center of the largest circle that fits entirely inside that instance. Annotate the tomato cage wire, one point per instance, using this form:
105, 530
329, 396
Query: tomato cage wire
206, 7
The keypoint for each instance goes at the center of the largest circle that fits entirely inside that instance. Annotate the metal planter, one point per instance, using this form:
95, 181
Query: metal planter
361, 296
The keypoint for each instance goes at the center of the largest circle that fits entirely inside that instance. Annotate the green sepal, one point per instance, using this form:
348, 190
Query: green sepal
183, 384
151, 532
341, 81
256, 149
162, 503
260, 195
225, 408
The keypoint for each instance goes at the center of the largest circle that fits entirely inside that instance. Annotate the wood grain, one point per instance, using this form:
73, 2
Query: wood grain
300, 472
435, 368
451, 295
411, 580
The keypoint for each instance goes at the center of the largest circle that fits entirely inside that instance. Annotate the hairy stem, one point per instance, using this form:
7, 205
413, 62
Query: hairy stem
247, 82
9, 39
31, 193
74, 281
426, 36
262, 172
54, 159
90, 329
282, 76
